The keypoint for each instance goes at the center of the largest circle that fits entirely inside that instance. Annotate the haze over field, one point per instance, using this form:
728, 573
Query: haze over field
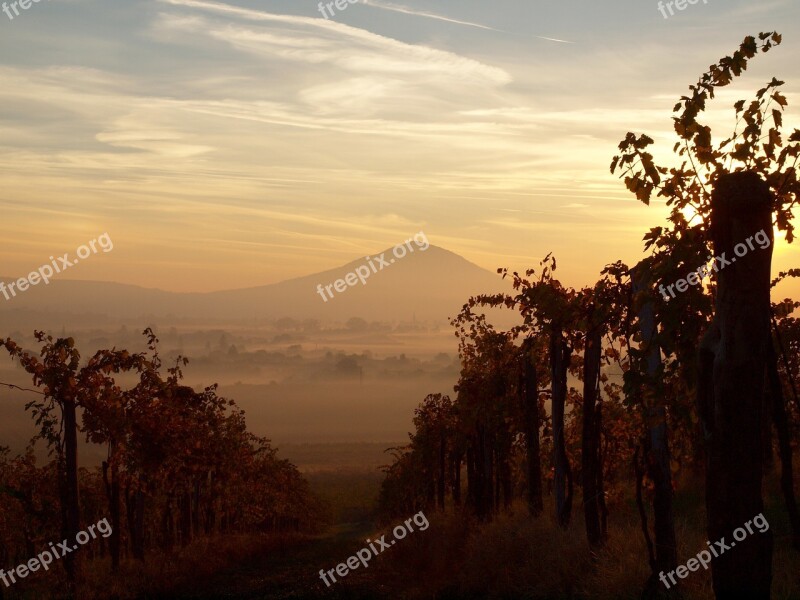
351, 369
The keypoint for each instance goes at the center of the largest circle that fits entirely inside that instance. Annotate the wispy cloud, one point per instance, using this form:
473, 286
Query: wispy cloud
419, 13
429, 15
330, 44
549, 39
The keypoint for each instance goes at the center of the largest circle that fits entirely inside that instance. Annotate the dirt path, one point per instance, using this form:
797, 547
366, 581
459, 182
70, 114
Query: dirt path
292, 572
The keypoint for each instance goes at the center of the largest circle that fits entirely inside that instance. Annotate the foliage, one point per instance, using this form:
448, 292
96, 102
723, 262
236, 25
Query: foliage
180, 463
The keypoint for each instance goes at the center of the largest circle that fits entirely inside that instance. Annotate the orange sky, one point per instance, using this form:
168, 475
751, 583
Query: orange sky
226, 146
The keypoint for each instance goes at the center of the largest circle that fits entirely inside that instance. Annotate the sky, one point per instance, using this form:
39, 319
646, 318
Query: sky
230, 145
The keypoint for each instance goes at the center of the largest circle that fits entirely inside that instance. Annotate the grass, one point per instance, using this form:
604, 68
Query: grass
518, 557
513, 557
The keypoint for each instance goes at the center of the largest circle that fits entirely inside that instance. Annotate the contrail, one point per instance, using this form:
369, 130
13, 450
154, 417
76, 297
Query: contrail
549, 39
419, 13
410, 11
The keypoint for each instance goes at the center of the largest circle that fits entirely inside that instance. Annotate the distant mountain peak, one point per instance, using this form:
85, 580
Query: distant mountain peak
430, 284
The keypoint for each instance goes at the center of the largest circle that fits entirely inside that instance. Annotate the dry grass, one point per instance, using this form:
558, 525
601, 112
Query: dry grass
184, 572
518, 557
513, 557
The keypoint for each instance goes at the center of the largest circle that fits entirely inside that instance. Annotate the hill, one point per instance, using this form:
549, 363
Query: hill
424, 285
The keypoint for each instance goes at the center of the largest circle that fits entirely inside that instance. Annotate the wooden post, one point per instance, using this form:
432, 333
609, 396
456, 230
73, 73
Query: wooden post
530, 411
731, 392
656, 438
590, 441
560, 353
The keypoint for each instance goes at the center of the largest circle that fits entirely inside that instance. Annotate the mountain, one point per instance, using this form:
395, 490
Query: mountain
426, 285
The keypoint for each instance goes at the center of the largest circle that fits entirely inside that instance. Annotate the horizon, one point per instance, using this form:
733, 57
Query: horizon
6, 279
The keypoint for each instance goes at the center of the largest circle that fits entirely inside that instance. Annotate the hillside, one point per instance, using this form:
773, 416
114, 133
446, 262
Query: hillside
430, 285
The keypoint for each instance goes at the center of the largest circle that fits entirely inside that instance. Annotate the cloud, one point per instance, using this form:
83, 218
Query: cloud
409, 11
549, 39
429, 15
321, 41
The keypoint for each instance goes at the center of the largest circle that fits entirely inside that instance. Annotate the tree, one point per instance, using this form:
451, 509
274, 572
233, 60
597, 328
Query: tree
170, 450
58, 371
643, 387
434, 424
533, 416
486, 406
719, 189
